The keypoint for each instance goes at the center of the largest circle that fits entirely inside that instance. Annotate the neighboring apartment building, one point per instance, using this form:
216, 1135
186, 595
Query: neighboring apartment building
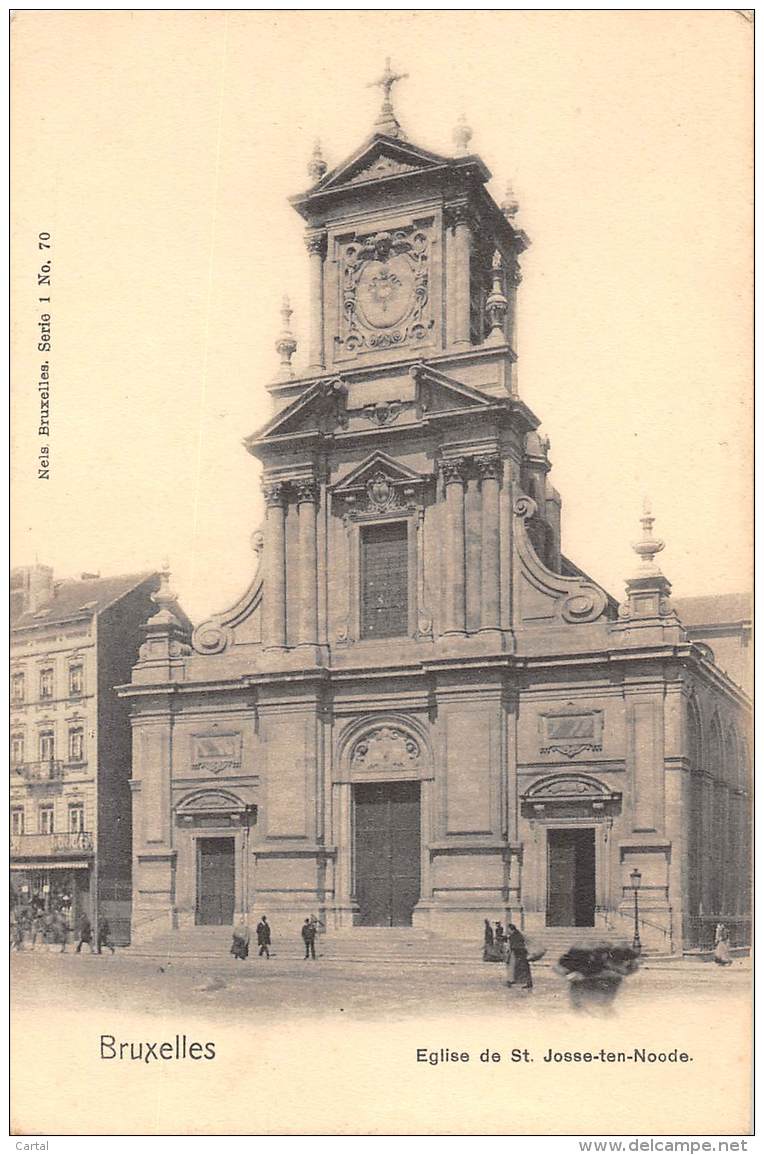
71, 642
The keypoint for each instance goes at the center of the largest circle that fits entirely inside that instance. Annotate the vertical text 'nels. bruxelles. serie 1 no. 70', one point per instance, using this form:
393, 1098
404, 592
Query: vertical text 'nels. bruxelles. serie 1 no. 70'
44, 346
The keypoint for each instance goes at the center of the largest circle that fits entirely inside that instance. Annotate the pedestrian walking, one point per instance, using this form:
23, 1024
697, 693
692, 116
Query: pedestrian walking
37, 928
487, 941
309, 931
240, 944
499, 938
722, 956
518, 966
18, 927
59, 930
263, 932
104, 935
85, 934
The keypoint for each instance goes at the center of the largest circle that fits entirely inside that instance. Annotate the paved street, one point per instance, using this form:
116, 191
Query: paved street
378, 989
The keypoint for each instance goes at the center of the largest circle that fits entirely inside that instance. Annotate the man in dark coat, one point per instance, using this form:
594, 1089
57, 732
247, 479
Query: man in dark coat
86, 933
263, 932
308, 932
104, 936
518, 967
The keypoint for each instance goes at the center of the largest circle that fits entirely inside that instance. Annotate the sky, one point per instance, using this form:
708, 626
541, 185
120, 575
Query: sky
158, 150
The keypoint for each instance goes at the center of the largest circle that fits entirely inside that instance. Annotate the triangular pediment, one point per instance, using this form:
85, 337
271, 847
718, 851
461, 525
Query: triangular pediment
318, 409
376, 466
438, 393
379, 158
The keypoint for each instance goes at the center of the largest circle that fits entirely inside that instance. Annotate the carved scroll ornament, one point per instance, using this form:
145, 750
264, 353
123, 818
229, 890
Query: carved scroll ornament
386, 748
385, 290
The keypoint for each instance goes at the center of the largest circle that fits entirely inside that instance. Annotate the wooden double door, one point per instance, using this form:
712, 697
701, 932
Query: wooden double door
387, 852
215, 881
570, 877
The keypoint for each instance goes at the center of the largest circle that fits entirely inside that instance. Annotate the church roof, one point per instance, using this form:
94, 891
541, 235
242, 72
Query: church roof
714, 610
383, 157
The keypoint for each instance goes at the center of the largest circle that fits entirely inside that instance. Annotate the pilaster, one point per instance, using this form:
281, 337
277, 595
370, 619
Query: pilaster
316, 246
458, 221
307, 499
274, 592
454, 618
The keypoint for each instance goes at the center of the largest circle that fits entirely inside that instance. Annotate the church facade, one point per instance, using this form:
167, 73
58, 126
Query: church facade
421, 712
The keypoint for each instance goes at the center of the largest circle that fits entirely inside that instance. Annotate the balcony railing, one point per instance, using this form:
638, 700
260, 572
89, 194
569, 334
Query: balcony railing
51, 845
49, 770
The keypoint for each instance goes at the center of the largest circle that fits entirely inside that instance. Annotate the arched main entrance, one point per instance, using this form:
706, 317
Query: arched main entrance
385, 762
387, 852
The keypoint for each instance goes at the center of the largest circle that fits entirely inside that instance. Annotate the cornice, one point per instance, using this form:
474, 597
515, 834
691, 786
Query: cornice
382, 369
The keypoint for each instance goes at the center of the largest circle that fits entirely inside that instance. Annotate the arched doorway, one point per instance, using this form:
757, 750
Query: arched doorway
212, 832
387, 852
385, 765
570, 817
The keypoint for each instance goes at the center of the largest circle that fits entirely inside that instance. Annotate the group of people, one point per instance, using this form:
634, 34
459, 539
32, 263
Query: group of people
594, 974
241, 937
35, 925
511, 947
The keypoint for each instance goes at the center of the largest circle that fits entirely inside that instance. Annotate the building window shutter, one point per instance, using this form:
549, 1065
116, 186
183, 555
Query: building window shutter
384, 580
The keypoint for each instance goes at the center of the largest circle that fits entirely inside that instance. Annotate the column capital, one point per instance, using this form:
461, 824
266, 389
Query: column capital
274, 493
316, 243
458, 213
488, 466
307, 491
453, 470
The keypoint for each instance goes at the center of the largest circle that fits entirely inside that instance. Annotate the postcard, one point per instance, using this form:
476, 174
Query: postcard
381, 660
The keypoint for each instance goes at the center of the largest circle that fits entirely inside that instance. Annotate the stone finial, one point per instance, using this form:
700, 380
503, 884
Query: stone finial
510, 205
462, 136
316, 164
286, 344
164, 599
496, 302
387, 122
648, 592
648, 546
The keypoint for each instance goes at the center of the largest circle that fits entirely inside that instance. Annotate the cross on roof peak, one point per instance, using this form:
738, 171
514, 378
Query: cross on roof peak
386, 122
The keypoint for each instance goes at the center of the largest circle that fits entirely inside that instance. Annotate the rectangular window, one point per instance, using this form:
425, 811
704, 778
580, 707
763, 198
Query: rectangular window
46, 683
47, 746
46, 819
76, 818
76, 744
75, 681
17, 821
17, 749
17, 688
384, 580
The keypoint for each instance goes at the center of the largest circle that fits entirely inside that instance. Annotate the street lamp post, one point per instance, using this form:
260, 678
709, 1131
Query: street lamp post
636, 879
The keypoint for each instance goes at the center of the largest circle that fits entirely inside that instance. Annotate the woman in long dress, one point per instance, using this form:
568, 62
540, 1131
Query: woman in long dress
518, 967
240, 944
722, 946
487, 941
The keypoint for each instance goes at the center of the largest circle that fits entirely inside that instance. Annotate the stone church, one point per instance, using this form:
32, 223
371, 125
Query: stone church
421, 712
